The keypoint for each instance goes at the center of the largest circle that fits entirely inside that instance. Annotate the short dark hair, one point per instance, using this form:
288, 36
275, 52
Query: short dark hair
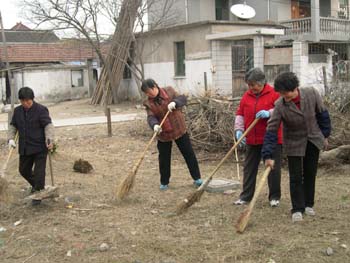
148, 84
25, 93
286, 81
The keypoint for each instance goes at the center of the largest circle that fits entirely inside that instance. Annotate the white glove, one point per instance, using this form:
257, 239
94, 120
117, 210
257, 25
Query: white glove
157, 129
171, 106
12, 144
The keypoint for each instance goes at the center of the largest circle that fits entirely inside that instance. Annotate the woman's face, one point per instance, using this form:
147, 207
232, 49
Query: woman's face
152, 93
27, 103
289, 95
255, 87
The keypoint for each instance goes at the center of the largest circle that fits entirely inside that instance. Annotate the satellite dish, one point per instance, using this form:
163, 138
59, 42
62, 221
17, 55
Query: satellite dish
243, 11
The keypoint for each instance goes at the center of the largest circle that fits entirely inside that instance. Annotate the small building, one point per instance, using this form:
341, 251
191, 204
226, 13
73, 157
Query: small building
56, 69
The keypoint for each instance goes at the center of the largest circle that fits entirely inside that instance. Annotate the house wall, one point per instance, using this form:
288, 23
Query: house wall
52, 84
159, 56
202, 10
222, 65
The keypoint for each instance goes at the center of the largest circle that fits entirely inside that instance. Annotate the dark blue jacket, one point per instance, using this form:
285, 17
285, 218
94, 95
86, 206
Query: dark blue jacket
30, 125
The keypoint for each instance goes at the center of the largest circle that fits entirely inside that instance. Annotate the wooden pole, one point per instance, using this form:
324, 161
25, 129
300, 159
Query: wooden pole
109, 122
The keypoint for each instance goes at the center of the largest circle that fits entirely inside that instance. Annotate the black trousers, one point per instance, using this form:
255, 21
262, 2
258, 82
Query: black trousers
36, 176
164, 157
250, 171
302, 178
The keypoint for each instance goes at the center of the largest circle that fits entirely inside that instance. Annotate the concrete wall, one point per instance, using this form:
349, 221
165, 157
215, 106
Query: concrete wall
52, 84
202, 10
222, 66
159, 46
310, 74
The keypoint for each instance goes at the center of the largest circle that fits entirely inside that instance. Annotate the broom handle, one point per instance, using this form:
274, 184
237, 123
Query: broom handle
259, 187
4, 167
207, 181
136, 167
50, 164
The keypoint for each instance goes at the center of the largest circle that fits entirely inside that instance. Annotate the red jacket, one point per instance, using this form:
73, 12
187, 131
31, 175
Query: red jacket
249, 105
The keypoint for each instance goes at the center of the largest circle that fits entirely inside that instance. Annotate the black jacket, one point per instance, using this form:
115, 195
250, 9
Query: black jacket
31, 128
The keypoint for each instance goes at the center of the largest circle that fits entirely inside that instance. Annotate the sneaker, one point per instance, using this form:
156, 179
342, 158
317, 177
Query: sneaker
198, 182
240, 202
164, 187
309, 211
297, 216
274, 203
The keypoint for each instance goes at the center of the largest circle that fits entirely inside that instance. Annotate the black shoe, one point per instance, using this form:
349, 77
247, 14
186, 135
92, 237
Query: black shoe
36, 202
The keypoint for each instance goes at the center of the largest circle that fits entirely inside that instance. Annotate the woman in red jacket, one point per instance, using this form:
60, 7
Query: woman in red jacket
257, 102
161, 100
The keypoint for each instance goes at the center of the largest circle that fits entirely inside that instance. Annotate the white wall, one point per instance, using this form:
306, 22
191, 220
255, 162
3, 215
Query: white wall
192, 84
51, 84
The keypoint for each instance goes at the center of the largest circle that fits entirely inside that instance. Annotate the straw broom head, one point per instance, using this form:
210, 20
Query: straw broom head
126, 185
189, 201
243, 220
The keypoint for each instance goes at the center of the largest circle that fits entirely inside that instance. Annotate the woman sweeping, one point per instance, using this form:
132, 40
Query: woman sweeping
306, 127
159, 102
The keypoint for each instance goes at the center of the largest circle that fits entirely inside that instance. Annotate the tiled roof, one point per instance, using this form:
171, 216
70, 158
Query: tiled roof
62, 51
20, 26
29, 36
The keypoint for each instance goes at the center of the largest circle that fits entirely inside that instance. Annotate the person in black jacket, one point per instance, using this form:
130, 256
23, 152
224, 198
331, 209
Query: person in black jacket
35, 132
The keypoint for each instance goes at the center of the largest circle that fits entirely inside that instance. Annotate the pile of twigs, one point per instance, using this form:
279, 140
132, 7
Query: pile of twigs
210, 123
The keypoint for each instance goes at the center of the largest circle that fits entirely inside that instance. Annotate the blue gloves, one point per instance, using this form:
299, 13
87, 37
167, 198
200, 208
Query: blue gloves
263, 114
238, 135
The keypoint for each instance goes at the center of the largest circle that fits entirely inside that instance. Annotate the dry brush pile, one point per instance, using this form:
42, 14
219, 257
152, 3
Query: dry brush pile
210, 123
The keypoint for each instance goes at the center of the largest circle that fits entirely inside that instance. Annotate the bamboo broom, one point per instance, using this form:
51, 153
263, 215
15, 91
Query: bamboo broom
129, 181
3, 181
245, 215
196, 195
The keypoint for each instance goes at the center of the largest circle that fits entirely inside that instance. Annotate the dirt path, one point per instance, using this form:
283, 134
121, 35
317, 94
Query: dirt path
142, 229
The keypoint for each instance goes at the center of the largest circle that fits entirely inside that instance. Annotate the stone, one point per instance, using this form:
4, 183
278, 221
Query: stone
222, 185
104, 247
329, 251
69, 253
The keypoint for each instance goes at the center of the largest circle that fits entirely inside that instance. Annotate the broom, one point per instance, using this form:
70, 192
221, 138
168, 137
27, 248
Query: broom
3, 182
196, 195
245, 215
128, 181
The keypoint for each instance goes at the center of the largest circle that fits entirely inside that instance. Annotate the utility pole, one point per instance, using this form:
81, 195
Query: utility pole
8, 69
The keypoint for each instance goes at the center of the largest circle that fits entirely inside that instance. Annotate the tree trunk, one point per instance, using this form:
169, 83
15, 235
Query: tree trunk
112, 71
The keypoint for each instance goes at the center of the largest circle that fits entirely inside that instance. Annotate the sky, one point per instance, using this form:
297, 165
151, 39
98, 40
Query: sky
10, 13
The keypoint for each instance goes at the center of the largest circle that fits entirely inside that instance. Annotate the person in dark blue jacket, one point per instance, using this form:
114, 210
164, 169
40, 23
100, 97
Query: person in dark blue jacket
33, 124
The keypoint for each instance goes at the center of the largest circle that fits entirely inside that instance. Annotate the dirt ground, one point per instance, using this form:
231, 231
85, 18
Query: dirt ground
143, 228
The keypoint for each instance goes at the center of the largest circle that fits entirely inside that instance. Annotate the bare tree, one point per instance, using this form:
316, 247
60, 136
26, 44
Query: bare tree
84, 18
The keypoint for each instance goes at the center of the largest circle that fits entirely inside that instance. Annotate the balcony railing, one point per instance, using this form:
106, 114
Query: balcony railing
297, 26
334, 26
330, 28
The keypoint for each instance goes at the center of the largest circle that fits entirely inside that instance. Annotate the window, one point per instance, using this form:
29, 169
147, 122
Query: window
180, 69
77, 78
221, 10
